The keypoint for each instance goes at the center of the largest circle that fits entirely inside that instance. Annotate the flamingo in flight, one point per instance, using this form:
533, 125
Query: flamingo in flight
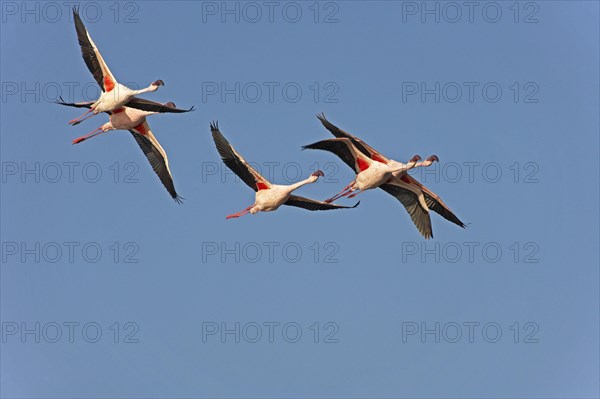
114, 95
134, 120
269, 196
414, 196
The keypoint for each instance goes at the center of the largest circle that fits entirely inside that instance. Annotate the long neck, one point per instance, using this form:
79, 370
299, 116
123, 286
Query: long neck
295, 186
146, 90
401, 167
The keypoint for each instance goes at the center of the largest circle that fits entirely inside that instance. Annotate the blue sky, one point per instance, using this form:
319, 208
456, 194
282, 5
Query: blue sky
90, 238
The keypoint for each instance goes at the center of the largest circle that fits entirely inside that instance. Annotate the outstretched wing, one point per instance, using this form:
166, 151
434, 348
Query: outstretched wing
410, 199
435, 203
345, 150
313, 205
156, 156
152, 106
358, 143
82, 104
236, 162
91, 55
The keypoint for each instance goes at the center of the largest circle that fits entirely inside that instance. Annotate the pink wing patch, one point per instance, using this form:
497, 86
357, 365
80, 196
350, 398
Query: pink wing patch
377, 158
141, 129
261, 186
362, 164
109, 85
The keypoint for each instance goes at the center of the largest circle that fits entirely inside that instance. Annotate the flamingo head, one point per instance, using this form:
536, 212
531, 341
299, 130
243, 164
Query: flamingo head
315, 175
156, 84
433, 158
416, 158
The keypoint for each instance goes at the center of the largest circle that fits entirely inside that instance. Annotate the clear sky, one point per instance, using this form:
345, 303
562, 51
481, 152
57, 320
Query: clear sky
506, 94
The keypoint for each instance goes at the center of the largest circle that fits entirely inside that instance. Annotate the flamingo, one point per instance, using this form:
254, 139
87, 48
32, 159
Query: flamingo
414, 196
370, 173
114, 95
134, 120
269, 197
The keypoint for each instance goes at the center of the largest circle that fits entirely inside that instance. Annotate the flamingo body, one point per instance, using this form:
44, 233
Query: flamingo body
374, 176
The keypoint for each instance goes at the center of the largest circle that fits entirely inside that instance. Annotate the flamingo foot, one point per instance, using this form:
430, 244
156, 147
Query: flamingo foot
345, 191
337, 197
240, 213
91, 134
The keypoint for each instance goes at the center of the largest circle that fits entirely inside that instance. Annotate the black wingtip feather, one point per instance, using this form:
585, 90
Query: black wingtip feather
179, 199
214, 126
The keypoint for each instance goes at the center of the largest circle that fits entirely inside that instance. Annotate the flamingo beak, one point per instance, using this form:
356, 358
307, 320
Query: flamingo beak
318, 173
158, 83
433, 158
416, 158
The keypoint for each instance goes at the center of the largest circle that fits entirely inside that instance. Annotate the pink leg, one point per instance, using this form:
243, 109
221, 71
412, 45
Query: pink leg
91, 134
81, 120
78, 119
240, 213
355, 194
345, 191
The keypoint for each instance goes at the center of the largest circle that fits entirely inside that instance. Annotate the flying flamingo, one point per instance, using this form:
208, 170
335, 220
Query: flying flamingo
433, 201
134, 120
416, 198
114, 95
370, 173
268, 196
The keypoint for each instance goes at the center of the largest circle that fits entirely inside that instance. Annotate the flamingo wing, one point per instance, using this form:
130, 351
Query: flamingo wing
92, 57
156, 156
409, 197
83, 104
435, 203
152, 106
313, 205
358, 143
345, 150
236, 162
